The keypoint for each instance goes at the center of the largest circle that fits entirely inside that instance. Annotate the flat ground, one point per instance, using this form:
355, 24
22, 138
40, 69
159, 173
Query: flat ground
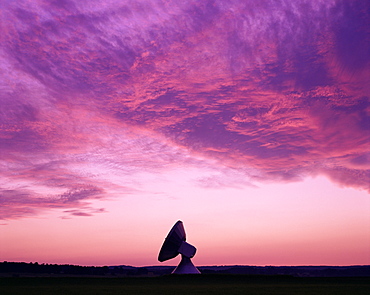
185, 284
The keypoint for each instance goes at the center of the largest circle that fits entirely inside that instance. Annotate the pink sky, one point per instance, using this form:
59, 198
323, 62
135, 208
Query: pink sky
247, 121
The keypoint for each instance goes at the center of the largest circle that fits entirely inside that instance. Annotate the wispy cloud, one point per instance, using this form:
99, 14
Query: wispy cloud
95, 93
83, 212
25, 202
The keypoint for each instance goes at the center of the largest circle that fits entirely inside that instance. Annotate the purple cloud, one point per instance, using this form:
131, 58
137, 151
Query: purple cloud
85, 212
278, 87
21, 202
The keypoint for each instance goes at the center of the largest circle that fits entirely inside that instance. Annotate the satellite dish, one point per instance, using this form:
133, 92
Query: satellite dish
175, 244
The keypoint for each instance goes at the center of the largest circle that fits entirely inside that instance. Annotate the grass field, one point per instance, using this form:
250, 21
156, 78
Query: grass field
185, 284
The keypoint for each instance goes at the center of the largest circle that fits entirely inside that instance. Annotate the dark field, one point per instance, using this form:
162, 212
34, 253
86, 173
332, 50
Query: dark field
185, 284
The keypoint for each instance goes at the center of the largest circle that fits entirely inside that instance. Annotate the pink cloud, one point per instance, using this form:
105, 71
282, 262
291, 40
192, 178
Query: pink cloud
94, 93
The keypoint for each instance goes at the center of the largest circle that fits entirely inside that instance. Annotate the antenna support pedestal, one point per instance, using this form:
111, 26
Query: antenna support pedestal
186, 267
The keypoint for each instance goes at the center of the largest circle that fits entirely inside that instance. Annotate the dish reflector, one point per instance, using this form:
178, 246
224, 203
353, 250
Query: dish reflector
175, 244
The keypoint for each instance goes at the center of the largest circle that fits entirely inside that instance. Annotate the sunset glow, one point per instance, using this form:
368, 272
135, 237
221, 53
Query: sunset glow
247, 120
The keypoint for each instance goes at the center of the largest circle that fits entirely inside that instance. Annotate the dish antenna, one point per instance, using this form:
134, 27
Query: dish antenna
175, 244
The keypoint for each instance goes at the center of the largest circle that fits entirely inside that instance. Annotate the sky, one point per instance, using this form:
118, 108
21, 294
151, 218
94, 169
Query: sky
247, 120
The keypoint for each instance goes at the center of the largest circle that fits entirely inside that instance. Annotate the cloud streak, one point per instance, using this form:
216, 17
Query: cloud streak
94, 94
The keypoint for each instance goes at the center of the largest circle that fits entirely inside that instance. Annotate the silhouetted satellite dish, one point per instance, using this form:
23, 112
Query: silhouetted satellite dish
175, 244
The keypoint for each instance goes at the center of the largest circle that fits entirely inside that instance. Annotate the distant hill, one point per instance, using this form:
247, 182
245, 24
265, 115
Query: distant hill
36, 269
297, 271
